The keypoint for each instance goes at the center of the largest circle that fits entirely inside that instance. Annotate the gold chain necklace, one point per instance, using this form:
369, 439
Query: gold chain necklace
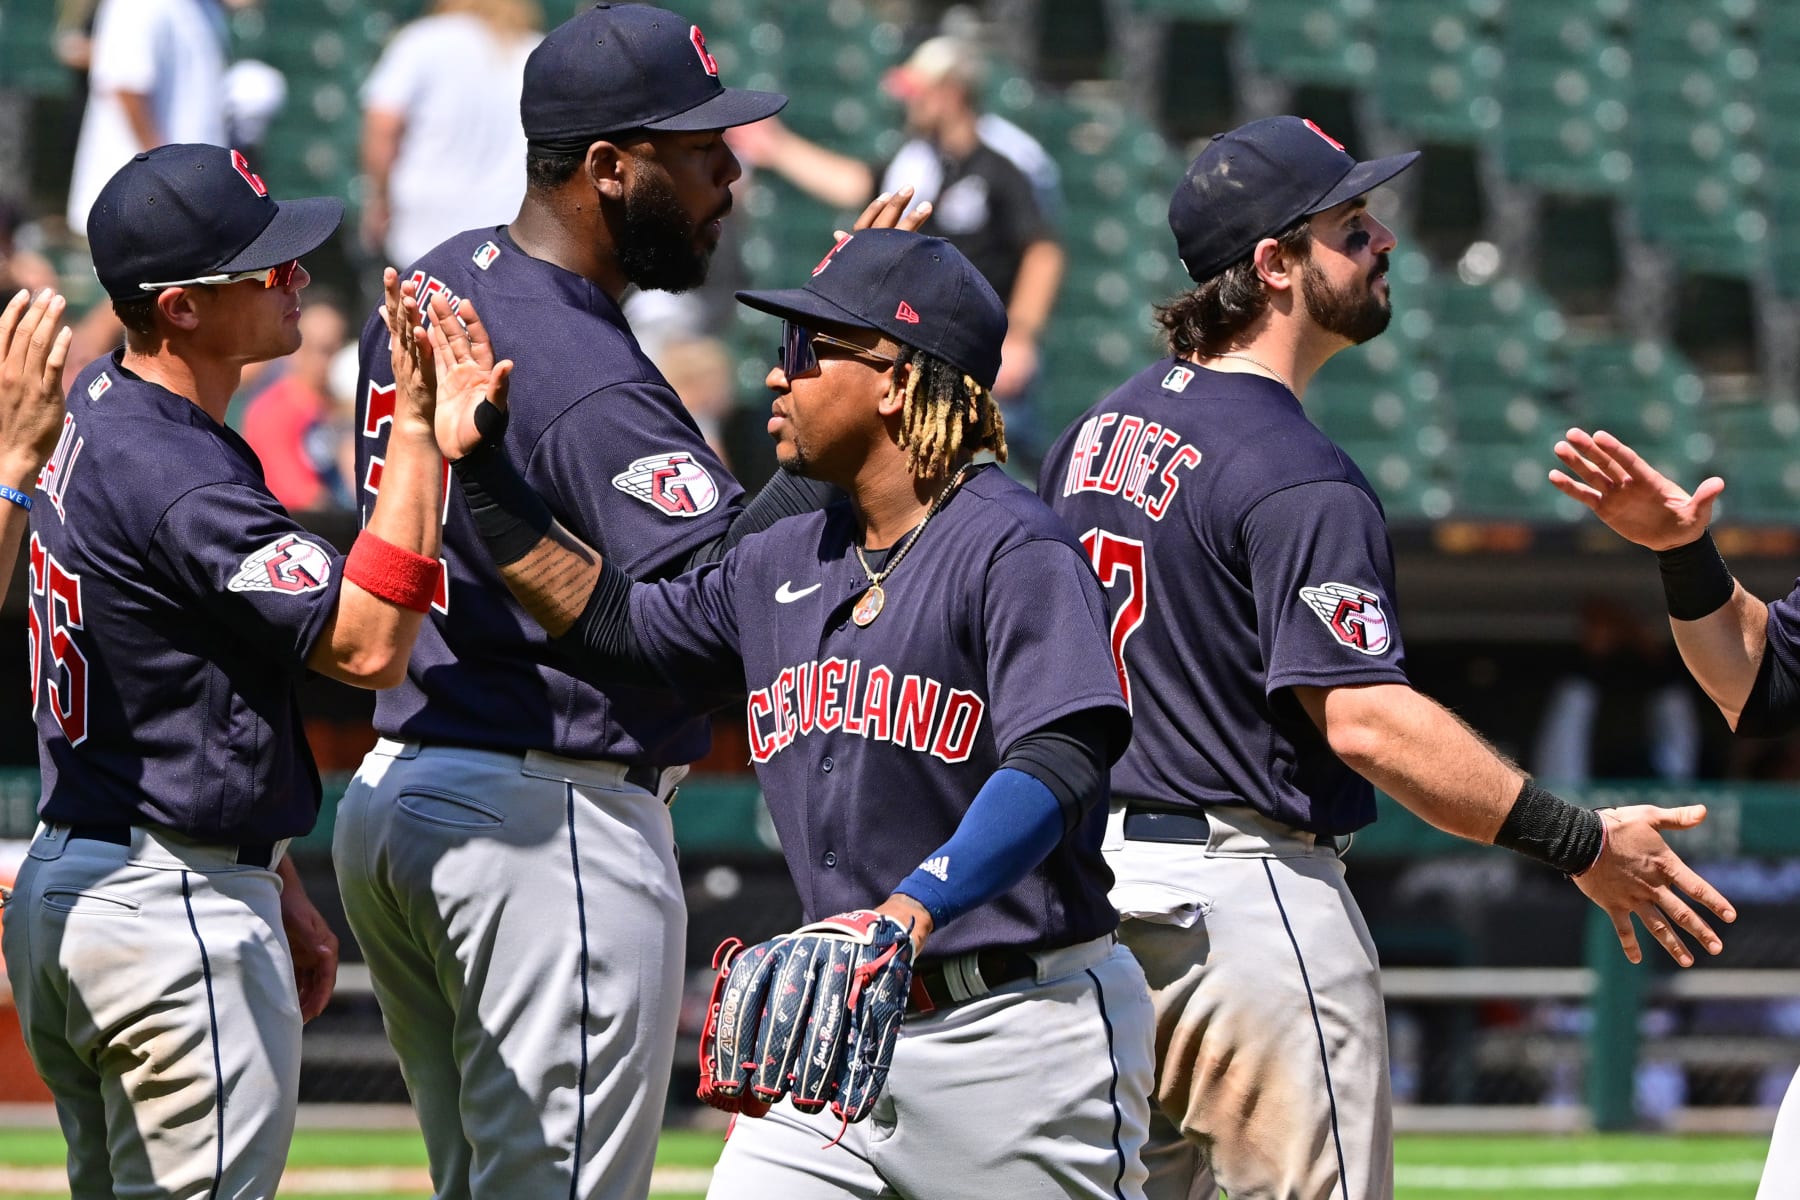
1279, 377
870, 605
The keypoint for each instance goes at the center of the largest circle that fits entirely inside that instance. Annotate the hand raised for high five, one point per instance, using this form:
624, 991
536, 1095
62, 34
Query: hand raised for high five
466, 375
32, 353
409, 353
1634, 499
888, 211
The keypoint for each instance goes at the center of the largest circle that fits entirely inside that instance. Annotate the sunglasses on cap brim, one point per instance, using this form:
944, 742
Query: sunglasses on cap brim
278, 276
798, 358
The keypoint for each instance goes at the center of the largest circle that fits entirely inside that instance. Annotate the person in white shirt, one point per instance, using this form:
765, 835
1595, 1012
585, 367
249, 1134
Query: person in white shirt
157, 75
442, 147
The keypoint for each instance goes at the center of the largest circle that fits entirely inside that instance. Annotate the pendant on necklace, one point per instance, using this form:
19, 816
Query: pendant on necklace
869, 607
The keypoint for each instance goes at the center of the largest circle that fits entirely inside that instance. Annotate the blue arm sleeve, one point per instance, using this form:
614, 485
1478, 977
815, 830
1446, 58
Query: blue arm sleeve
1046, 785
1013, 822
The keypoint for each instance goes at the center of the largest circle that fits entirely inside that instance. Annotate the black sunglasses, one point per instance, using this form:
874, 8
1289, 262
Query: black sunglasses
798, 358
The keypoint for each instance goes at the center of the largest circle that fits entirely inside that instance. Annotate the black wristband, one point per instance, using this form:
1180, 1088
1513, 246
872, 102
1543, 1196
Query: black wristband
1695, 580
490, 420
1548, 829
510, 517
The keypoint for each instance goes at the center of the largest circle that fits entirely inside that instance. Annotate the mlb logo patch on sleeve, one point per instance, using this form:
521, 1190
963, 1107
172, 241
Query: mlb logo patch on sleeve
1178, 378
673, 483
101, 385
485, 254
288, 564
1353, 615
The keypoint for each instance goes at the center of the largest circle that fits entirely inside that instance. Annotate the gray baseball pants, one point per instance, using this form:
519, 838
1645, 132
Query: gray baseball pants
1037, 1090
1781, 1172
156, 993
523, 924
1271, 1036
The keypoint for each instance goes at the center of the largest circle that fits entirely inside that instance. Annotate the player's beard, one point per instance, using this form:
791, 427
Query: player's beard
658, 248
1355, 313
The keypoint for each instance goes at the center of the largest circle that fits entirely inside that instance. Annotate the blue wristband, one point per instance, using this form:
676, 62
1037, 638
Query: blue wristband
22, 499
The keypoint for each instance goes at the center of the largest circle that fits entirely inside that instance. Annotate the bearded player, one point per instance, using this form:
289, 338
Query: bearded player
1255, 633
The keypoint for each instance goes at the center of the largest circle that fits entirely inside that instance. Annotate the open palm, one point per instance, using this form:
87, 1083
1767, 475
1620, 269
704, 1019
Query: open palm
1635, 500
466, 375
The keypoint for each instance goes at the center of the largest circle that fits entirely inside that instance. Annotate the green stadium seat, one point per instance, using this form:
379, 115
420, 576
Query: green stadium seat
1440, 66
1761, 485
1314, 41
1566, 94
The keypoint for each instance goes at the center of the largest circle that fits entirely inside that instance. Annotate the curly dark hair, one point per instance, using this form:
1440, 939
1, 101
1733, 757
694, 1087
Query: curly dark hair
1209, 319
945, 408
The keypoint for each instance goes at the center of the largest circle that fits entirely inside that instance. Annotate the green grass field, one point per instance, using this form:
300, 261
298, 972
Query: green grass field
383, 1165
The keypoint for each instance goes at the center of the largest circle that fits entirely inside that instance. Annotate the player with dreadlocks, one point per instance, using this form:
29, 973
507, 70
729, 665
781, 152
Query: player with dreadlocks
932, 429
931, 706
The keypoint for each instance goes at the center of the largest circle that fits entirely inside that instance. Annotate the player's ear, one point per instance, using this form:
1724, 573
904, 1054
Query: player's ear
893, 400
1274, 266
606, 167
176, 306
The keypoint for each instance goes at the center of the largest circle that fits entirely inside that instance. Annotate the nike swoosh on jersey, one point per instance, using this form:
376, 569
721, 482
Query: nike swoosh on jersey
785, 594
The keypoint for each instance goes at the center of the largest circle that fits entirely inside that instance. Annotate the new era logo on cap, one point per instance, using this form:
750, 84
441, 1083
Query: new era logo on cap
905, 313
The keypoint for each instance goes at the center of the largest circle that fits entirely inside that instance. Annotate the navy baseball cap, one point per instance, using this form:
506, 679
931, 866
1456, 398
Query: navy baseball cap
629, 66
1257, 180
184, 211
921, 291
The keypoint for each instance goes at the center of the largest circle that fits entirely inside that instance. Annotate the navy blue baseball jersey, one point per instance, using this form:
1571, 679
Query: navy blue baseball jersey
174, 603
1244, 554
607, 443
872, 741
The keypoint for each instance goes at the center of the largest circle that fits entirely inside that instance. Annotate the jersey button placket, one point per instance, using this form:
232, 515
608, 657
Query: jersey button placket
829, 858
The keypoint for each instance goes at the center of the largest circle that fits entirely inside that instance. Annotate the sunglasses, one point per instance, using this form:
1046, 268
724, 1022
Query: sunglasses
279, 276
798, 358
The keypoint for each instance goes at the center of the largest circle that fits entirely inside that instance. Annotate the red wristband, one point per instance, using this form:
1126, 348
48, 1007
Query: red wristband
391, 573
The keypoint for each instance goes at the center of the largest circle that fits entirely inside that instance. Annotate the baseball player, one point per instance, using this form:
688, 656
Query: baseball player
161, 949
1743, 652
931, 708
1255, 633
34, 346
505, 854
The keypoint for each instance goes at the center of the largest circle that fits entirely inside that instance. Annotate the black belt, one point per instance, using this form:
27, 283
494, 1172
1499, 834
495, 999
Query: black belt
249, 854
1189, 828
647, 778
1163, 825
998, 967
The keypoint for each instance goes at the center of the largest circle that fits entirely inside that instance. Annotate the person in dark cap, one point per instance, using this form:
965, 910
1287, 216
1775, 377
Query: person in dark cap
161, 949
505, 853
1257, 637
931, 706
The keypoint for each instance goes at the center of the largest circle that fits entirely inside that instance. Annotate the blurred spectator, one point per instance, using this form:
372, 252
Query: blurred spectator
156, 74
20, 267
1624, 711
986, 179
699, 369
75, 50
295, 425
442, 148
